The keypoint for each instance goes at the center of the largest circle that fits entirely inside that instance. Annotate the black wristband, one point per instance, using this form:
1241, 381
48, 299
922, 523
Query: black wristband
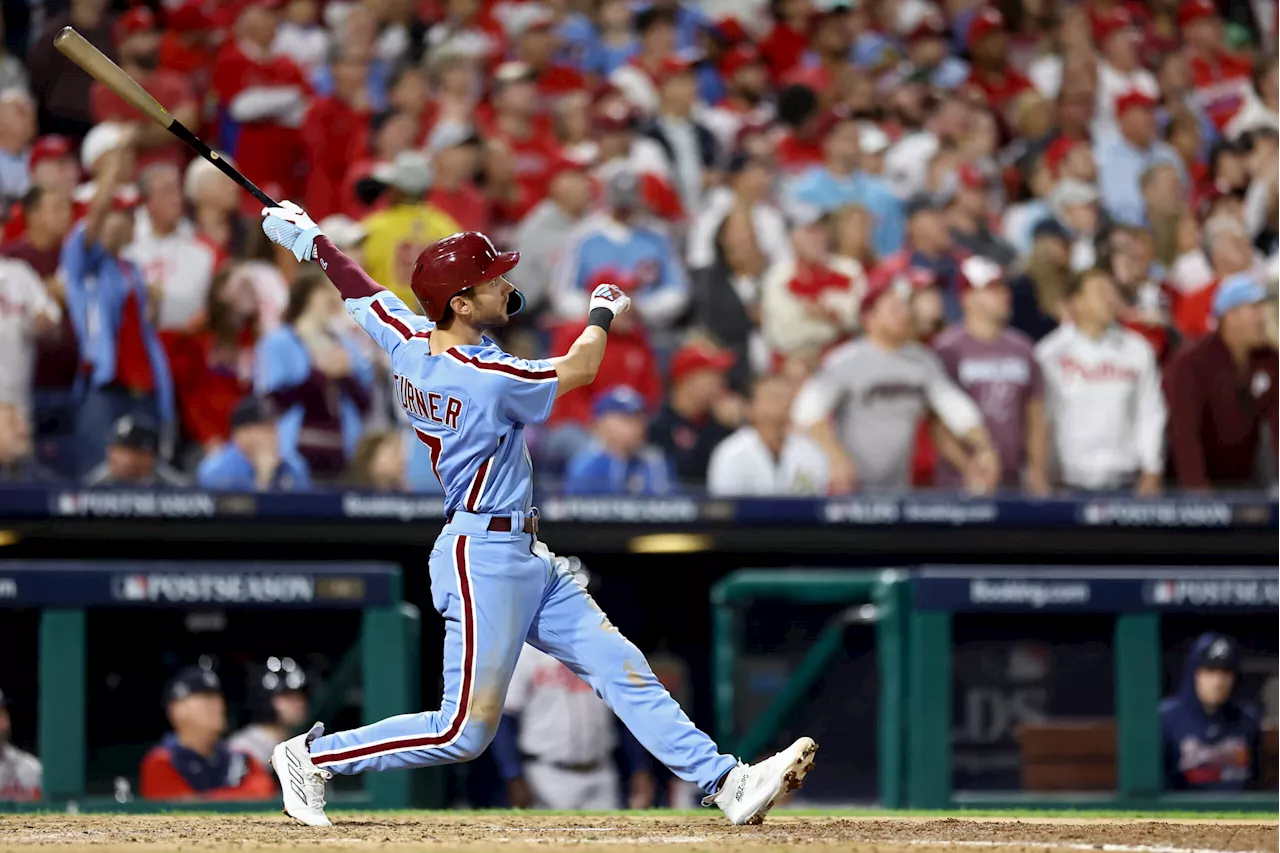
601, 317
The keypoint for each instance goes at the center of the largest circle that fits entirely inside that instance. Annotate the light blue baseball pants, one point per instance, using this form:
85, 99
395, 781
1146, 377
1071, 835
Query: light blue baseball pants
494, 594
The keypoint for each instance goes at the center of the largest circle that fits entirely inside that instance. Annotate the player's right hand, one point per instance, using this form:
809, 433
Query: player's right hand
609, 296
289, 226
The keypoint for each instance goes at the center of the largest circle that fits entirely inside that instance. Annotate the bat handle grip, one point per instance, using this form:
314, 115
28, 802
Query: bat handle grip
179, 130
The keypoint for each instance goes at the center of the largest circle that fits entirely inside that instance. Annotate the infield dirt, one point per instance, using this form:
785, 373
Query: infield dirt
639, 833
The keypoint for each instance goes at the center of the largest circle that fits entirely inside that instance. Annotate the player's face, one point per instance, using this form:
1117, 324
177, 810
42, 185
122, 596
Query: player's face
487, 303
5, 729
1213, 686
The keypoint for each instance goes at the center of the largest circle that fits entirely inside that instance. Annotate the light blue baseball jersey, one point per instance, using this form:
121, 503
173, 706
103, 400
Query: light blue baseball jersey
468, 405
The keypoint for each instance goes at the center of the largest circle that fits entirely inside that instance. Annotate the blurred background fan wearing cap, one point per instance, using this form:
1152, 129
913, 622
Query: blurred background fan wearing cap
278, 701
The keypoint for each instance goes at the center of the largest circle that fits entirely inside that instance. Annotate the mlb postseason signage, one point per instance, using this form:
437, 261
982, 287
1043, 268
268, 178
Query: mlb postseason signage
1040, 589
328, 586
917, 510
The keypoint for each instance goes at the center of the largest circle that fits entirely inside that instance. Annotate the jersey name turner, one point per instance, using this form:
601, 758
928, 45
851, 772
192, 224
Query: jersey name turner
442, 409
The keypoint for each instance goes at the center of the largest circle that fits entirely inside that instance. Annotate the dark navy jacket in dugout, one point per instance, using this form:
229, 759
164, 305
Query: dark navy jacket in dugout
1204, 752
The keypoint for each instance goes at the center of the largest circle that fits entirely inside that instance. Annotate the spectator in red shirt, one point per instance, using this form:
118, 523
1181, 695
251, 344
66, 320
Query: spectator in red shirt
572, 117
212, 365
188, 46
988, 46
47, 212
800, 145
789, 38
1220, 80
192, 762
54, 166
455, 162
48, 215
1227, 245
138, 45
536, 44
1222, 390
509, 200
825, 66
516, 123
263, 103
335, 133
629, 361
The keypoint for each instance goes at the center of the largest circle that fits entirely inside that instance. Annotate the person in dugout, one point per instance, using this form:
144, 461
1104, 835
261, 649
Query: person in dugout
1210, 737
280, 709
192, 762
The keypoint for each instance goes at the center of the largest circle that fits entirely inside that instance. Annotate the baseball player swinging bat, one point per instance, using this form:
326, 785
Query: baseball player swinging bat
494, 583
77, 48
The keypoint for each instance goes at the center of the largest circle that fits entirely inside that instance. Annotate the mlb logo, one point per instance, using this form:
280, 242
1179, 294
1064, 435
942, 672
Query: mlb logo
131, 587
1163, 592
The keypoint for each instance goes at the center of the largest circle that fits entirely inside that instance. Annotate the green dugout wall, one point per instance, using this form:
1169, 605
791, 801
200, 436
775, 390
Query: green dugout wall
384, 663
913, 613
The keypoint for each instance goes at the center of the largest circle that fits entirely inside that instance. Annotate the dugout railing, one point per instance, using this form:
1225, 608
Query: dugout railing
913, 614
386, 661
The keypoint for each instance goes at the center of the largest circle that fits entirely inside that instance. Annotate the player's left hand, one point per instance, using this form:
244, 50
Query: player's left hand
289, 226
609, 296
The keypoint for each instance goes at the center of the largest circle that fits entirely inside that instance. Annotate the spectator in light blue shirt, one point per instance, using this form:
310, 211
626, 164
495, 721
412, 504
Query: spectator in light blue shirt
17, 129
618, 462
251, 461
839, 182
691, 22
1124, 156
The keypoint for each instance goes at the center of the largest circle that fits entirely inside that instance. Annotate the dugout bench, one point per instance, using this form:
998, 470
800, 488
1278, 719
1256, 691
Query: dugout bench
385, 661
912, 612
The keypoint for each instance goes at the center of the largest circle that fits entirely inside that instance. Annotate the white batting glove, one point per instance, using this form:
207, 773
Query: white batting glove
609, 296
289, 226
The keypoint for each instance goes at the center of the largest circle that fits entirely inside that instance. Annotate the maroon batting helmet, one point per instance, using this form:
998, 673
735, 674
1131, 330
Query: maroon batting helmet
458, 262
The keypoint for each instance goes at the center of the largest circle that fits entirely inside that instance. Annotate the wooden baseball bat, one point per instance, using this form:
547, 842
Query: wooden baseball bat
76, 48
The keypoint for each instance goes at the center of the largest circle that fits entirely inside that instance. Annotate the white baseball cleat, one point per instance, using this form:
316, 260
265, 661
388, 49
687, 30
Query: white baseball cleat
301, 781
749, 791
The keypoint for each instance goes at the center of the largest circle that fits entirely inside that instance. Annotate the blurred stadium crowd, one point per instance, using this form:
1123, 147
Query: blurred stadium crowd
872, 244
